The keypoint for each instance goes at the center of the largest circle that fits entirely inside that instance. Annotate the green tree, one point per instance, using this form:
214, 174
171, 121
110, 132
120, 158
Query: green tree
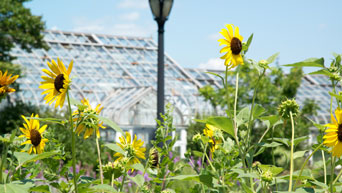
19, 27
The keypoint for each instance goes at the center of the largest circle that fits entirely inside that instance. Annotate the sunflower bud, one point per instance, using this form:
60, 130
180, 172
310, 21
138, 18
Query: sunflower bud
263, 64
335, 76
154, 158
168, 191
145, 189
196, 138
267, 176
256, 164
288, 106
111, 168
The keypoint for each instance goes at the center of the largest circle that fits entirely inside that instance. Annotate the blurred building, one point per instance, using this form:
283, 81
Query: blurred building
120, 73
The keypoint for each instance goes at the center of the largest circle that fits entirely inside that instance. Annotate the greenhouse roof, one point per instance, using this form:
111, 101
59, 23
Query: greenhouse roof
120, 73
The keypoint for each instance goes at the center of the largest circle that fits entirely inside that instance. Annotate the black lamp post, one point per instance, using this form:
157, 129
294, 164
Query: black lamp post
160, 10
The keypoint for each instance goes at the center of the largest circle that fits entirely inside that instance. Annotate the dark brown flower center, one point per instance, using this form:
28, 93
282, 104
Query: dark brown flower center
155, 159
236, 46
35, 137
59, 82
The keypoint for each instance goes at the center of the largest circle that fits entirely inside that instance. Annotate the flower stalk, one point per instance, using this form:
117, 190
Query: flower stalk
73, 141
292, 147
99, 157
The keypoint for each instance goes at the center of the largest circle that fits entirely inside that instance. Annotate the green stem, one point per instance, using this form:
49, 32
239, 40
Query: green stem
292, 147
99, 156
338, 177
3, 160
249, 130
324, 168
227, 92
305, 162
235, 104
332, 173
122, 183
112, 181
210, 163
273, 159
73, 139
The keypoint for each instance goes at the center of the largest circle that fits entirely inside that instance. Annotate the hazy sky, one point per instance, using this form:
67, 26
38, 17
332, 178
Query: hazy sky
298, 29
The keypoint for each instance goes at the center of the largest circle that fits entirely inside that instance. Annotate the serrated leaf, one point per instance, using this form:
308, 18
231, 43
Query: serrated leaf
257, 111
275, 170
222, 123
115, 148
243, 116
16, 187
322, 72
138, 179
24, 157
272, 58
298, 154
104, 188
110, 123
246, 188
311, 62
249, 41
138, 166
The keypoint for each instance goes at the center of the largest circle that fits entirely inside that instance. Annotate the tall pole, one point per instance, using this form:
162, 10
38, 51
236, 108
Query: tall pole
160, 86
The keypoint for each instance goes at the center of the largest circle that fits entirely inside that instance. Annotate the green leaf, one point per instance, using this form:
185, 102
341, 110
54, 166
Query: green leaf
323, 72
243, 116
246, 188
110, 123
257, 111
49, 120
138, 179
104, 188
206, 178
42, 188
275, 170
273, 144
200, 121
74, 102
222, 123
249, 41
272, 58
320, 184
115, 148
338, 97
273, 119
197, 153
184, 177
24, 157
311, 62
298, 154
16, 187
212, 73
138, 166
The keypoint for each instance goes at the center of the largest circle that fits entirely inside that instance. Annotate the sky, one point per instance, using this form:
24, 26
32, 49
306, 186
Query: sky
298, 29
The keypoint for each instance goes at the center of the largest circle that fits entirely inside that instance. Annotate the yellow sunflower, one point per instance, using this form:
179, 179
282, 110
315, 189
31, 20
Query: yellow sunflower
88, 124
333, 135
233, 46
56, 83
33, 132
5, 81
133, 150
214, 134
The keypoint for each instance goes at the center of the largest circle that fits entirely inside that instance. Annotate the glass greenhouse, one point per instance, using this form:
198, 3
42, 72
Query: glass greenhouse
120, 73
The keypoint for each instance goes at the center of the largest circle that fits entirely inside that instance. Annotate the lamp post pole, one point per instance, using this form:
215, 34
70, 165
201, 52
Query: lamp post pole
161, 82
160, 10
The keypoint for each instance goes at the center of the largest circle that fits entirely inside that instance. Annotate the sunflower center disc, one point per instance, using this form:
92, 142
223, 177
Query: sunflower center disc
236, 46
59, 82
35, 137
